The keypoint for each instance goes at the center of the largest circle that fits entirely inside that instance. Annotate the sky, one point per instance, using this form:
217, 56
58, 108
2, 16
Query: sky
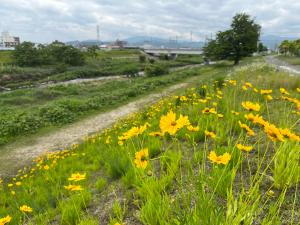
65, 20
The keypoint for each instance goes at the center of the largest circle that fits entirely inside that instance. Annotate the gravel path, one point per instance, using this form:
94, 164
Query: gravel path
14, 157
281, 65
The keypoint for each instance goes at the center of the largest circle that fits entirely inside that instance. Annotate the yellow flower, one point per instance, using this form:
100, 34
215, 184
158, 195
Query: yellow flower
250, 132
25, 208
72, 187
155, 134
77, 177
10, 185
210, 134
46, 167
288, 134
273, 132
298, 90
13, 193
108, 140
193, 129
141, 158
220, 115
134, 131
233, 82
183, 98
18, 183
203, 100
283, 91
249, 85
222, 159
256, 119
268, 97
209, 110
169, 124
244, 147
266, 92
235, 113
5, 220
183, 121
251, 106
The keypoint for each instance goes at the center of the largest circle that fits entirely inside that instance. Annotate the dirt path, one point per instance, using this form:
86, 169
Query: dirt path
281, 65
14, 157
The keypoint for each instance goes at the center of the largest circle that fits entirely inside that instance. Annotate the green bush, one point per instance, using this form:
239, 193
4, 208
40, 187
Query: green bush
57, 115
142, 58
153, 70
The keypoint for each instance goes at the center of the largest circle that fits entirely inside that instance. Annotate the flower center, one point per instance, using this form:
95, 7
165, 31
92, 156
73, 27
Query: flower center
173, 123
143, 158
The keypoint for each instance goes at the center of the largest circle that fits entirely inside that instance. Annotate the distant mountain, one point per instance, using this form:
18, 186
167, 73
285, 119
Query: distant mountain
273, 41
145, 41
85, 43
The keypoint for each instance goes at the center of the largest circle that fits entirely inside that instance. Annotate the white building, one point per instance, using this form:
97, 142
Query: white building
7, 41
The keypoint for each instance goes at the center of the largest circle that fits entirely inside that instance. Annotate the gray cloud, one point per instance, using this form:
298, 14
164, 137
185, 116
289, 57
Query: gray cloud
47, 20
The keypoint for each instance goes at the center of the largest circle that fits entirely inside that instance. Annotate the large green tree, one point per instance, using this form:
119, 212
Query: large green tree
26, 54
237, 42
290, 47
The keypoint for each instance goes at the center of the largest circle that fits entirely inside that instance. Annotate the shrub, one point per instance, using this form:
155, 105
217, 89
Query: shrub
153, 70
142, 58
60, 68
57, 115
131, 70
151, 60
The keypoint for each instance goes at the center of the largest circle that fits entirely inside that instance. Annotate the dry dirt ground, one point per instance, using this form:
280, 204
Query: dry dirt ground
15, 156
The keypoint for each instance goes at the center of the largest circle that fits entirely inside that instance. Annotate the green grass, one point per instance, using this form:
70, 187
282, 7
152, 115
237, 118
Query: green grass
5, 57
293, 60
179, 184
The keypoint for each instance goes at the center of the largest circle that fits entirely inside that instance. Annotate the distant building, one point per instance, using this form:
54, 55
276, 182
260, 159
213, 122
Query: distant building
7, 41
118, 44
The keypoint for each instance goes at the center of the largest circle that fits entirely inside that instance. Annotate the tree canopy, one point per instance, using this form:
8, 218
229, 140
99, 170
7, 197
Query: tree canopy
290, 47
27, 54
235, 43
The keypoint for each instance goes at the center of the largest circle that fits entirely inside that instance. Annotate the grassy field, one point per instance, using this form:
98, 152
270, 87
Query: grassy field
224, 152
29, 110
293, 60
107, 63
5, 57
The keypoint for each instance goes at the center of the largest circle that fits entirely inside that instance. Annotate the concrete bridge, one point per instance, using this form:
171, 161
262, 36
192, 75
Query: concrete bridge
172, 51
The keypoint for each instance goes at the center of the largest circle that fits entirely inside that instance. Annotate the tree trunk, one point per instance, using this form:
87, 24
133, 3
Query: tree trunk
236, 61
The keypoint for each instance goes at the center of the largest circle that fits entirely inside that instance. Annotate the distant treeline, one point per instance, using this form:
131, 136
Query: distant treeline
27, 54
290, 47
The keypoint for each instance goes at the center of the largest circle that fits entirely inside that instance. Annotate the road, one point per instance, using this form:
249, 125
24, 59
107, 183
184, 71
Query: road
281, 65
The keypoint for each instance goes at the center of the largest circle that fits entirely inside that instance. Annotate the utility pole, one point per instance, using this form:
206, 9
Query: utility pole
191, 36
98, 34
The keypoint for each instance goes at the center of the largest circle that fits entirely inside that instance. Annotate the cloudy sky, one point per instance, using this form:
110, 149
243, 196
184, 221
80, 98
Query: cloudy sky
65, 20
